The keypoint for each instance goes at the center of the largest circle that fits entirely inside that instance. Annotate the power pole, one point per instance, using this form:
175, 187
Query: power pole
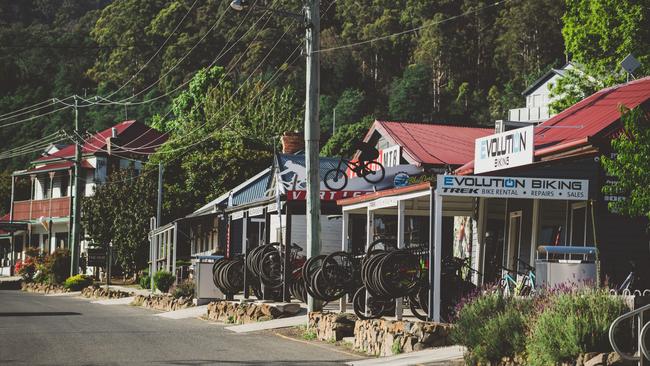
76, 198
160, 195
312, 134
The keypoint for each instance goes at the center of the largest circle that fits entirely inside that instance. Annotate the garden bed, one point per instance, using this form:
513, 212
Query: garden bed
97, 292
162, 302
43, 288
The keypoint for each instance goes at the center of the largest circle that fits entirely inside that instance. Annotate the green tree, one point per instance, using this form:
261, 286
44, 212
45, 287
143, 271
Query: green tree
574, 86
220, 126
631, 165
342, 142
119, 213
409, 98
599, 33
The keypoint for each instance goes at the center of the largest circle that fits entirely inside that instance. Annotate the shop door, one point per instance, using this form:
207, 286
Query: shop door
514, 240
578, 224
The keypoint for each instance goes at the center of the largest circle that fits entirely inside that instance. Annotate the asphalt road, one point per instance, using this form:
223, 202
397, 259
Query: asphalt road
40, 330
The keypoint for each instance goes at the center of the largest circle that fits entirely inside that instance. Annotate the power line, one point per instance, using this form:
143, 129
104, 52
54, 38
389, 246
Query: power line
412, 30
34, 117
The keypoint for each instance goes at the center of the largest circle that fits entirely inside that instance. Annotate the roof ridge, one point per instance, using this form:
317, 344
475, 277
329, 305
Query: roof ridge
436, 124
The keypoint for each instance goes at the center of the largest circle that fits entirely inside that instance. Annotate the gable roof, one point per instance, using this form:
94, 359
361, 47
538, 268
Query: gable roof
592, 117
547, 76
132, 135
431, 144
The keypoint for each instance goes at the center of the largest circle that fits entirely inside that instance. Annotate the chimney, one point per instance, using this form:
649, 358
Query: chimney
292, 142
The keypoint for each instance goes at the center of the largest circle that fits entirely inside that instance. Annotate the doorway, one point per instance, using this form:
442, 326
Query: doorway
514, 239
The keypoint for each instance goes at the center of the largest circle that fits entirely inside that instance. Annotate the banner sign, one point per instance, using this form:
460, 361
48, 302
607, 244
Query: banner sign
325, 195
97, 257
513, 187
504, 150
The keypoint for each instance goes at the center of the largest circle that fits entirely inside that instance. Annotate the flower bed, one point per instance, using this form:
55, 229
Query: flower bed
162, 302
101, 293
43, 288
557, 326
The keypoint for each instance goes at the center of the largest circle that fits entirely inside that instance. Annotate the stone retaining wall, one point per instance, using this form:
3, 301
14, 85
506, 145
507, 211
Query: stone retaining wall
162, 302
242, 313
43, 288
101, 293
387, 337
332, 326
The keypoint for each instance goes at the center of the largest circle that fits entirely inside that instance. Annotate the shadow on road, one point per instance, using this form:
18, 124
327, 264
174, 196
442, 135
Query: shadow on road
38, 313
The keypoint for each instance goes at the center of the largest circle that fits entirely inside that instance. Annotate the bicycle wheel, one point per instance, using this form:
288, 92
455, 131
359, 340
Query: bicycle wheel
335, 179
374, 176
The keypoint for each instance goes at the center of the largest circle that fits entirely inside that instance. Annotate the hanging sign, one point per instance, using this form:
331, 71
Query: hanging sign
513, 187
504, 150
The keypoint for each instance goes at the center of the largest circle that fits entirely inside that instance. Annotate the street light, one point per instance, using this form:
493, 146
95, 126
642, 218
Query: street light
311, 16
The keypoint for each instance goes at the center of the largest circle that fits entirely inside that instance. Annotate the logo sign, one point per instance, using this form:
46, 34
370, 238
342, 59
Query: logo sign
325, 195
97, 257
504, 150
401, 179
513, 187
391, 156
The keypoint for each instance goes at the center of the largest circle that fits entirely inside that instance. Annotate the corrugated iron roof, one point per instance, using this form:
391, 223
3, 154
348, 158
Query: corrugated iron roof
255, 189
589, 118
435, 144
132, 135
59, 165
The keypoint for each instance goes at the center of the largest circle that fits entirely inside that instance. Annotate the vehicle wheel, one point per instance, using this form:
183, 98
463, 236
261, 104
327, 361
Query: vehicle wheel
335, 179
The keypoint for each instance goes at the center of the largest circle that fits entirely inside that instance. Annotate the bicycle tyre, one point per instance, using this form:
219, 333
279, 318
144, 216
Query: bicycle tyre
333, 177
377, 175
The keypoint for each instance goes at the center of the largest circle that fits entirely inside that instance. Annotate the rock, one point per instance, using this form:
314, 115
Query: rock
598, 360
615, 359
288, 308
419, 346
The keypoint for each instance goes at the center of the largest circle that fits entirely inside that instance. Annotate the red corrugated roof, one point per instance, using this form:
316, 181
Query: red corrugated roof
586, 119
131, 134
58, 166
435, 144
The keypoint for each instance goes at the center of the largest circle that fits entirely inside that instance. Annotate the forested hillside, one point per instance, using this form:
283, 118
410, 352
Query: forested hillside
466, 62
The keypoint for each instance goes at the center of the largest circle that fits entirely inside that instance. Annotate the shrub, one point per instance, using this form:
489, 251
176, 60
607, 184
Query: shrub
184, 289
491, 327
26, 268
78, 282
572, 324
145, 281
163, 280
57, 266
41, 277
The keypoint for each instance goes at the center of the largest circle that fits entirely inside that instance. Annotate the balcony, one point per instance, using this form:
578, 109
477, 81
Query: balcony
33, 209
534, 114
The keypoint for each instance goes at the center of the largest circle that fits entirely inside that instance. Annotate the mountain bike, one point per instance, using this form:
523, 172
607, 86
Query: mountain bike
335, 179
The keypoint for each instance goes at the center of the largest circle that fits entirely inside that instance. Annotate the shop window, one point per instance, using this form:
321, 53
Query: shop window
34, 241
552, 222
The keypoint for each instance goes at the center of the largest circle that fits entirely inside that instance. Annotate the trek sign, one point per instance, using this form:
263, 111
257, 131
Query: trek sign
513, 187
504, 150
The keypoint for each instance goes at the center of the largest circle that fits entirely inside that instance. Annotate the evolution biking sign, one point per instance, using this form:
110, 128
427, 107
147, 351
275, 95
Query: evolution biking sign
513, 187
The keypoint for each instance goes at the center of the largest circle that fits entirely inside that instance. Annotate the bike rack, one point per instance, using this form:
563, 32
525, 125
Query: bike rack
642, 331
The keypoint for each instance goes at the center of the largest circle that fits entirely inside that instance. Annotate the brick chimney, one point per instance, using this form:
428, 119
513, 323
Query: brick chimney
292, 142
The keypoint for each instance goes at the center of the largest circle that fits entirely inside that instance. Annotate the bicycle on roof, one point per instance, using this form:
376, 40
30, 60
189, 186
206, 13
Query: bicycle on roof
366, 167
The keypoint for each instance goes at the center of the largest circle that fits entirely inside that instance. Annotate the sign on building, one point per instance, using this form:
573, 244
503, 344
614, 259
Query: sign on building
513, 187
504, 150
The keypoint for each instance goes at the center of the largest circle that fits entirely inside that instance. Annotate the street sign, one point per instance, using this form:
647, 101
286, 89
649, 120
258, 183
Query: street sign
513, 187
504, 150
97, 257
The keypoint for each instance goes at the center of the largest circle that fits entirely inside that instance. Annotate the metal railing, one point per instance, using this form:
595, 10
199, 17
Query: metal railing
642, 330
